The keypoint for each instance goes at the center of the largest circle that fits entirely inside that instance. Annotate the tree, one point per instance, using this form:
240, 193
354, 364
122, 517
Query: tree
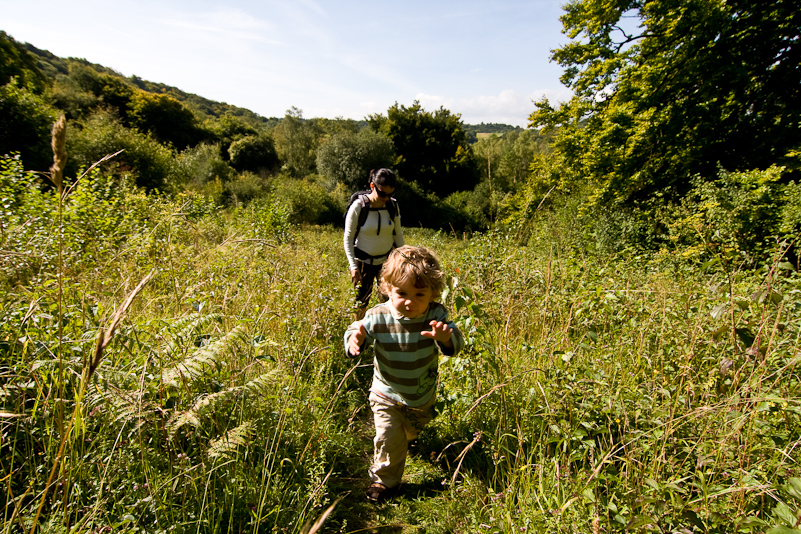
81, 91
229, 128
25, 125
165, 118
16, 62
431, 148
296, 140
253, 153
699, 83
347, 157
151, 163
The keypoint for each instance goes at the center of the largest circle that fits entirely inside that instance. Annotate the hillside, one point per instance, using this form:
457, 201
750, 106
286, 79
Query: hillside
53, 67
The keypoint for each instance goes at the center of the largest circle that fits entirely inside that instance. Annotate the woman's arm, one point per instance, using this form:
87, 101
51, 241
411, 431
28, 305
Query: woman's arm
349, 239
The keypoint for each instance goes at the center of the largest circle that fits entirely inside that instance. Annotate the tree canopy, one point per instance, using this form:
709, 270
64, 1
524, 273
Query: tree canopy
16, 62
695, 85
347, 157
165, 118
431, 148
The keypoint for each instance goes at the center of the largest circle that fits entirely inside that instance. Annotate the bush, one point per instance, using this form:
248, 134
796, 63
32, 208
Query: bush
347, 157
244, 189
97, 215
152, 164
253, 153
202, 165
164, 118
265, 218
740, 212
307, 201
421, 209
25, 125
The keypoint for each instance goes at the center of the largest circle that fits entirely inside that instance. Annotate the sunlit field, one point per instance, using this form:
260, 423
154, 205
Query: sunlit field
170, 367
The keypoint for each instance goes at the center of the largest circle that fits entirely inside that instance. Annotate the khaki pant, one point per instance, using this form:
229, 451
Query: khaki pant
395, 426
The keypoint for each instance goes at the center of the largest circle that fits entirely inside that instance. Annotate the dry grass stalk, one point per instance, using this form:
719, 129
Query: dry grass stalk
312, 529
105, 335
102, 342
58, 142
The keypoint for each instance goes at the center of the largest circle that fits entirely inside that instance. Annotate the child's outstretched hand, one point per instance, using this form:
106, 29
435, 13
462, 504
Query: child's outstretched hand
356, 340
440, 332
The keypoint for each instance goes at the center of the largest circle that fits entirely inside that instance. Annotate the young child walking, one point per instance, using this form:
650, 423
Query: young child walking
407, 333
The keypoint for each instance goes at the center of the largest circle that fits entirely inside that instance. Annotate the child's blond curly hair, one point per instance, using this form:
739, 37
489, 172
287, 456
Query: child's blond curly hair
412, 264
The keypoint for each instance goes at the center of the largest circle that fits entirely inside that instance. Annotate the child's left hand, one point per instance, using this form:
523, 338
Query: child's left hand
440, 332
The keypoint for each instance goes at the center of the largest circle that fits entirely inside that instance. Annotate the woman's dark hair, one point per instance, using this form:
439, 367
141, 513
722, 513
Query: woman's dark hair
383, 177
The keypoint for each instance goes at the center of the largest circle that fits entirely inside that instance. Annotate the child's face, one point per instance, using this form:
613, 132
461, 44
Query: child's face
410, 301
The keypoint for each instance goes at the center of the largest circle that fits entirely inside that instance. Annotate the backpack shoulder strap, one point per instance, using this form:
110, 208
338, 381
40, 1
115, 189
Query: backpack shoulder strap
392, 208
363, 213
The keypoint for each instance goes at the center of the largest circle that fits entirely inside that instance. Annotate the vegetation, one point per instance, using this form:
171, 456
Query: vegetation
172, 300
691, 88
597, 393
432, 147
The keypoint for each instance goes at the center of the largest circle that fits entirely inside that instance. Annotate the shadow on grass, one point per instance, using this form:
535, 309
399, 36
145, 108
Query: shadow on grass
421, 490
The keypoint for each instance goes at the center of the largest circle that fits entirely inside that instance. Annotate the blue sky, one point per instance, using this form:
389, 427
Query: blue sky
349, 58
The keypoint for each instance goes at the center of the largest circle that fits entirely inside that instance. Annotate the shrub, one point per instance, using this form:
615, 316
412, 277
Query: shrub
253, 153
25, 125
307, 201
347, 157
164, 118
151, 163
244, 189
265, 218
740, 212
203, 164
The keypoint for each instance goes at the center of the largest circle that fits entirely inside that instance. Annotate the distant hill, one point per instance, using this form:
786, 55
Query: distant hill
53, 66
474, 131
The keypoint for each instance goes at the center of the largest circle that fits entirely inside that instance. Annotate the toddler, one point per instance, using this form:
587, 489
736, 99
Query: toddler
407, 332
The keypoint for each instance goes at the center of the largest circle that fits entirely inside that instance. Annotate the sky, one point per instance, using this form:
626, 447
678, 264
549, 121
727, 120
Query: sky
486, 61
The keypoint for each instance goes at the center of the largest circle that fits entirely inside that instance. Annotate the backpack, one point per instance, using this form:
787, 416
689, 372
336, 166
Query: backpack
361, 196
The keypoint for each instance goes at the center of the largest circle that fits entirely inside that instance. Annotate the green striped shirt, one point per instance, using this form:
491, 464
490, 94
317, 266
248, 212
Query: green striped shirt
405, 362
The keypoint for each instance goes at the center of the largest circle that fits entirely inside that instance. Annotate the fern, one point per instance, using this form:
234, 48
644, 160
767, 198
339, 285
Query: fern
202, 406
124, 406
181, 334
227, 444
204, 358
261, 384
189, 417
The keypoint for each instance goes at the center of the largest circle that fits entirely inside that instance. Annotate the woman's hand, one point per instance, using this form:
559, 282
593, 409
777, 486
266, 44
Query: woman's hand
356, 276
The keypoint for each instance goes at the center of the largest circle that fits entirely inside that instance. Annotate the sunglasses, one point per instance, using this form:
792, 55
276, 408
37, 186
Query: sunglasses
383, 194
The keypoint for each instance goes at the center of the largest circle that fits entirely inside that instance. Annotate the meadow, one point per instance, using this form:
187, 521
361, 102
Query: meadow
168, 366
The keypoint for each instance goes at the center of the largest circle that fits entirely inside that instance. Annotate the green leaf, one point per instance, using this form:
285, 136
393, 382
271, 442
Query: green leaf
783, 513
781, 529
640, 521
793, 487
750, 523
745, 335
718, 311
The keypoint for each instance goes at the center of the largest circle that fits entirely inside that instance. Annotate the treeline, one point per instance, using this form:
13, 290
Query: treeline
172, 141
681, 138
684, 132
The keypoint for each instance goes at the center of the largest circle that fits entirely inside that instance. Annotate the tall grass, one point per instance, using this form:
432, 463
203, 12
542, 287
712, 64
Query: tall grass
596, 393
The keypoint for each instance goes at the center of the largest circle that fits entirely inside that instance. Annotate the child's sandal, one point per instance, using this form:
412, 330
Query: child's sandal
376, 491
